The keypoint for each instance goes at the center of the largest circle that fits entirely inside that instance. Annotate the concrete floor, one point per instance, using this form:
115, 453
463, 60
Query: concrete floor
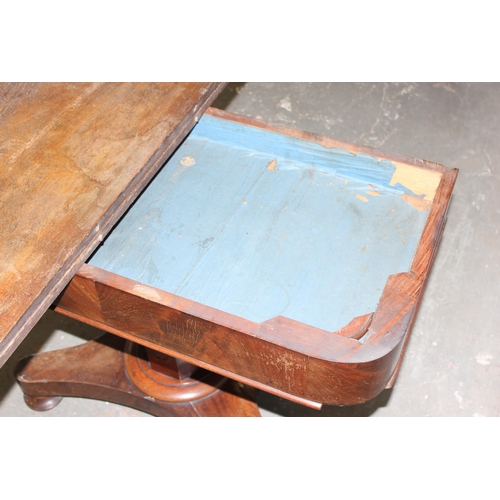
452, 364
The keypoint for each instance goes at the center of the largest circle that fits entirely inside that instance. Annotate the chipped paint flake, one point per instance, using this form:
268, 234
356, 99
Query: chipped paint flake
420, 204
361, 197
272, 165
188, 161
372, 190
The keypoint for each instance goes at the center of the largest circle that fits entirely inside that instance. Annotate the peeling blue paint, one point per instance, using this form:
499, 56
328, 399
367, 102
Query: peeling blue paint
218, 227
296, 153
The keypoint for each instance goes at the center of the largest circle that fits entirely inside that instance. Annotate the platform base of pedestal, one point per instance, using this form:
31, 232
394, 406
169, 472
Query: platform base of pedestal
98, 370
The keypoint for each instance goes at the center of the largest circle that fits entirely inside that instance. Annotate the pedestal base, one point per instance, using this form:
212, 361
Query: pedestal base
104, 369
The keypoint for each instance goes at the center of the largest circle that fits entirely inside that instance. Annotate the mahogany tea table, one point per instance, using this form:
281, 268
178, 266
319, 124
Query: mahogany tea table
259, 257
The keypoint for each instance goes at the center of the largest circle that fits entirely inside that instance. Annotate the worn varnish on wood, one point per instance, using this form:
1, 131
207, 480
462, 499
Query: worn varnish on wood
73, 157
288, 261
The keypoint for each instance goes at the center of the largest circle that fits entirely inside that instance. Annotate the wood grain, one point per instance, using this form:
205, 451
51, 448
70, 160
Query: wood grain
73, 157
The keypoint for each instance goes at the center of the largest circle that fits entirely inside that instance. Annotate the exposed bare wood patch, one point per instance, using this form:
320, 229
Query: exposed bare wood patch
418, 180
418, 203
272, 165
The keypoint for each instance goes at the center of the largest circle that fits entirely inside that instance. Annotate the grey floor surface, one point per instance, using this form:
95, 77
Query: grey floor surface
452, 364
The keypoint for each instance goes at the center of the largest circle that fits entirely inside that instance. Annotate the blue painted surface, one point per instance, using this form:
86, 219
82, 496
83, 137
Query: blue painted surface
295, 153
228, 232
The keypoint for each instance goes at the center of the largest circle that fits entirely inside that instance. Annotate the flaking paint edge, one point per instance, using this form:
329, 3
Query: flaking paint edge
417, 180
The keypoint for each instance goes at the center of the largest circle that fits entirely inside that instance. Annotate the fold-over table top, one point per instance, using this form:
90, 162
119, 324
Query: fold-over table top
73, 157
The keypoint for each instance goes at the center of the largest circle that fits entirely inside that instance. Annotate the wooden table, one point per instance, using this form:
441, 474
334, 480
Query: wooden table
259, 257
73, 157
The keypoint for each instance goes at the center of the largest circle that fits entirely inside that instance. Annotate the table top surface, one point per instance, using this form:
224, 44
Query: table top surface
73, 158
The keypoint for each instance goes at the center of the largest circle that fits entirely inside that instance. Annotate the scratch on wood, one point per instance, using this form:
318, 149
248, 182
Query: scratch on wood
189, 331
49, 125
147, 292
